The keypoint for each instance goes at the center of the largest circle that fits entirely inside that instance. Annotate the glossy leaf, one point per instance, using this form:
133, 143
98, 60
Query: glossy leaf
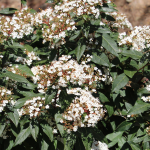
101, 60
48, 131
139, 108
2, 127
79, 51
22, 136
14, 116
132, 53
124, 126
109, 44
34, 129
129, 73
119, 82
48, 98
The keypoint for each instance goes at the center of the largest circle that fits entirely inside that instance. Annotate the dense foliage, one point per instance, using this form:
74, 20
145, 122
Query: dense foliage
70, 81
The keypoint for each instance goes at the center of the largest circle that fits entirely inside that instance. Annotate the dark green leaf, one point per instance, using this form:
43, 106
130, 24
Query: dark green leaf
24, 2
119, 82
75, 35
44, 145
103, 98
7, 11
110, 110
14, 116
109, 44
22, 136
15, 77
132, 53
48, 131
79, 51
2, 127
129, 73
139, 108
48, 98
114, 136
124, 126
34, 129
101, 60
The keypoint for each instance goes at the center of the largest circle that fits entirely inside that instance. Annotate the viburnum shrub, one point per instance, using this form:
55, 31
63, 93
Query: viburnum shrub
70, 81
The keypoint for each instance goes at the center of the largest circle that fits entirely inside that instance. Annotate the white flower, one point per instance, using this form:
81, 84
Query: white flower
47, 106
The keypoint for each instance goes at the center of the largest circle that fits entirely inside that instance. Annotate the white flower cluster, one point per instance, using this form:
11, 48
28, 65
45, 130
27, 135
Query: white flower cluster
66, 70
53, 22
5, 97
139, 38
32, 107
121, 21
97, 145
30, 57
18, 26
146, 98
84, 111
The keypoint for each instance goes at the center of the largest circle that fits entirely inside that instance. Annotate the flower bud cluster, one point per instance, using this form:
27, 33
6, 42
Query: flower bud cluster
66, 70
18, 26
97, 145
5, 97
53, 22
32, 107
84, 111
148, 130
121, 21
139, 38
30, 57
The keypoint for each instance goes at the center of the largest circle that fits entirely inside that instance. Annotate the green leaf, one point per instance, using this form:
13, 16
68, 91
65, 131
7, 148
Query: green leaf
24, 2
22, 136
109, 44
58, 117
14, 116
79, 51
134, 64
114, 136
7, 11
134, 146
121, 141
139, 108
28, 47
48, 98
60, 128
119, 82
20, 102
15, 77
100, 60
9, 145
24, 69
69, 141
87, 139
129, 73
110, 110
15, 45
34, 129
48, 131
75, 35
103, 30
79, 145
125, 125
132, 53
107, 9
103, 98
2, 127
44, 145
